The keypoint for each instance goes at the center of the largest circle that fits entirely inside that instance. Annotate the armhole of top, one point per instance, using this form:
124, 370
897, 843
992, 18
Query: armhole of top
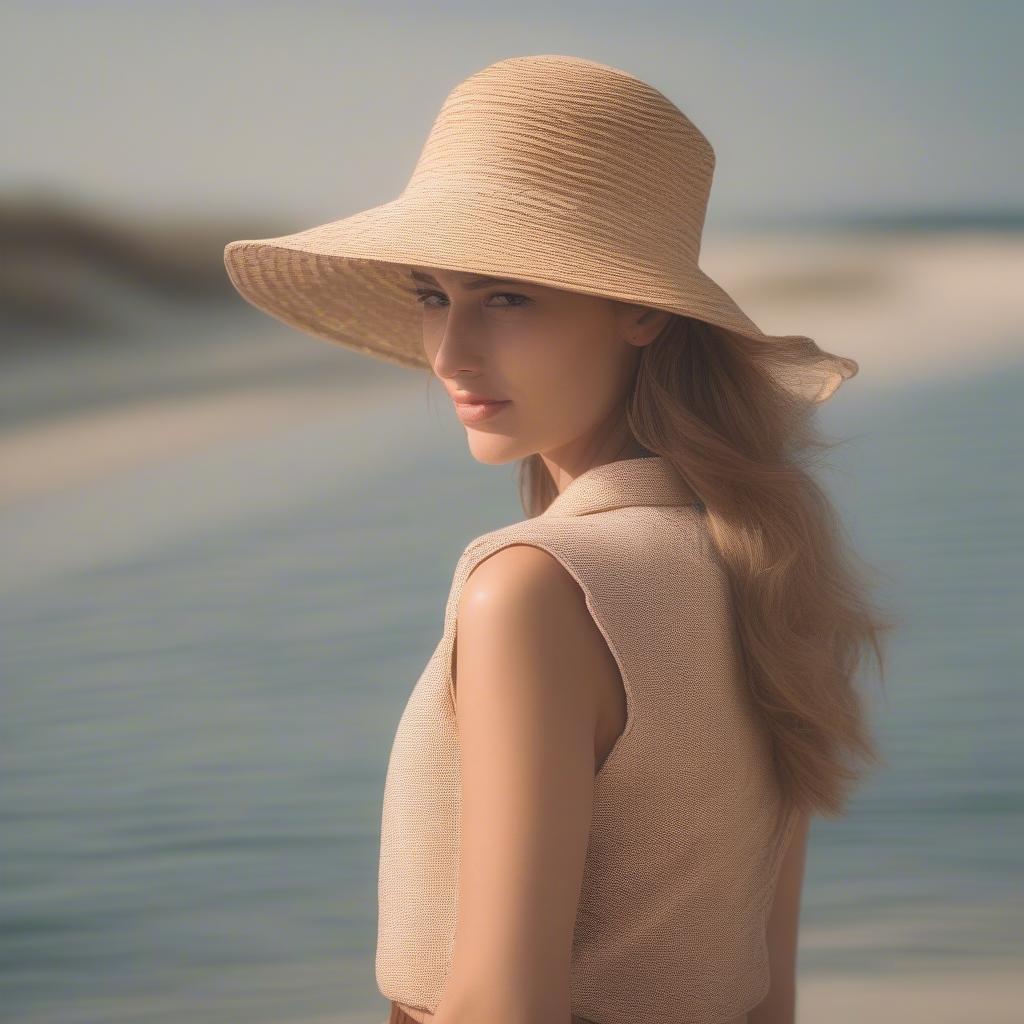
792, 816
627, 686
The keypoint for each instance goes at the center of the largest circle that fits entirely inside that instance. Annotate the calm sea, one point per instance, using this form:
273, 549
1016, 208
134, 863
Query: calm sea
204, 662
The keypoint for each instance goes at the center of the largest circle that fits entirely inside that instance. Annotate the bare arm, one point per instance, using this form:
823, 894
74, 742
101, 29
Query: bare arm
528, 653
779, 1006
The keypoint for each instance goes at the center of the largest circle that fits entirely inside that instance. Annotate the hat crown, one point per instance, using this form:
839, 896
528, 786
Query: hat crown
580, 137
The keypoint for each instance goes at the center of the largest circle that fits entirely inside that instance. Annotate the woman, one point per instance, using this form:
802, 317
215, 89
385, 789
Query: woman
599, 792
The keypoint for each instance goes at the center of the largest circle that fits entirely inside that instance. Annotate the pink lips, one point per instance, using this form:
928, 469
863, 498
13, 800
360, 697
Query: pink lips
472, 410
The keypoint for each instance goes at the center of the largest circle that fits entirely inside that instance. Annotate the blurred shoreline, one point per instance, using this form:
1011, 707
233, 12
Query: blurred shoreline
148, 352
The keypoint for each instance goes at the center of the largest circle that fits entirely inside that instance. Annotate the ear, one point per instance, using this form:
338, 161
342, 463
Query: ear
640, 325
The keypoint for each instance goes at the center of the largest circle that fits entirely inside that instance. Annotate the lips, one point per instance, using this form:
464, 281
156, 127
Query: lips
468, 398
471, 409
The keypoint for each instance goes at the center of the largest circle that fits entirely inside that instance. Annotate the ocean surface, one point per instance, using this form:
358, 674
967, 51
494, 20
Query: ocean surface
204, 660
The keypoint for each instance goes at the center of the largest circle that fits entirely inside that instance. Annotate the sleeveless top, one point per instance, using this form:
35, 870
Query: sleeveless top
688, 822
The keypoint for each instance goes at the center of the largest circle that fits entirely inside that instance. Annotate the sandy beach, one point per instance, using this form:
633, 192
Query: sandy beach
950, 997
83, 449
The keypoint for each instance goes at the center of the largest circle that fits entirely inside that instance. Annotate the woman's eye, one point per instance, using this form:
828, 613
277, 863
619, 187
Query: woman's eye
424, 294
517, 300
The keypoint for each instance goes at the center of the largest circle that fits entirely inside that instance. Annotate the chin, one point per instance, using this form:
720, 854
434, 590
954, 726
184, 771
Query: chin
494, 449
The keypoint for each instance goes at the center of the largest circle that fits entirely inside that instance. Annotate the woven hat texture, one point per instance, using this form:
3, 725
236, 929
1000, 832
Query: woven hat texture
550, 169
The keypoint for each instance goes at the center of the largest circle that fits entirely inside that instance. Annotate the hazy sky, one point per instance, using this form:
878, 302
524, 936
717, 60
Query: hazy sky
315, 110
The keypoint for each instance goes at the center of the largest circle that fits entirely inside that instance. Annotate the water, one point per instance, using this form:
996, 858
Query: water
204, 662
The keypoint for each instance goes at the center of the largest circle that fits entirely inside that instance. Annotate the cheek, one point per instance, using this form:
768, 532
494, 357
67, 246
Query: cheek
569, 372
535, 360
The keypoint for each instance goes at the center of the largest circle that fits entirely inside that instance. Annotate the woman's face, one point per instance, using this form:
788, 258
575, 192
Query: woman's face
559, 362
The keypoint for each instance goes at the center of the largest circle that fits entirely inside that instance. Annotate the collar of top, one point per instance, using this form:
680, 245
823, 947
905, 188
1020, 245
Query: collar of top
649, 480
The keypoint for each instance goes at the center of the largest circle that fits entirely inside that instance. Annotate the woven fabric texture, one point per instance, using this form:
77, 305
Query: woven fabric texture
549, 169
688, 824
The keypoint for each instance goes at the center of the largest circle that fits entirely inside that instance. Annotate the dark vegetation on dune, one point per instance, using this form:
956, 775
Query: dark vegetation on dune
68, 267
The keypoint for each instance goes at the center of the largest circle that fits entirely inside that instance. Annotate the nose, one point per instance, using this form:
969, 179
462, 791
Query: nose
453, 339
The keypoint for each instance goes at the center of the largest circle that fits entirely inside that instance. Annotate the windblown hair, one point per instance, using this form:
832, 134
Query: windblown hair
712, 403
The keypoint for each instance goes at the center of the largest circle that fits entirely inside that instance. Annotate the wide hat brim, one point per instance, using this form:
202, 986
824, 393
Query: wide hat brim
348, 280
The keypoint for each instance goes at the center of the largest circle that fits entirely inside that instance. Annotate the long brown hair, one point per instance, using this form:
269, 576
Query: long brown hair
714, 404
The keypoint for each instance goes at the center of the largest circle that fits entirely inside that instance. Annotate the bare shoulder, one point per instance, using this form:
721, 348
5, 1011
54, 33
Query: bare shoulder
521, 572
523, 613
521, 595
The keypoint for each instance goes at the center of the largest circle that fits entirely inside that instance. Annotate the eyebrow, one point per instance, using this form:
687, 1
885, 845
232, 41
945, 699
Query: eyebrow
471, 285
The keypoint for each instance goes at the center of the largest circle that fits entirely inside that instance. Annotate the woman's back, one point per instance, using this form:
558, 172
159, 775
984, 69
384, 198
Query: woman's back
688, 824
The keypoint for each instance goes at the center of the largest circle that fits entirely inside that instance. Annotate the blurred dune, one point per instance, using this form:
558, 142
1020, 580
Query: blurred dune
124, 341
66, 265
906, 305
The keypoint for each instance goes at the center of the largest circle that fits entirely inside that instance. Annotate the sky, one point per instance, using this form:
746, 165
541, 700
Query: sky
313, 111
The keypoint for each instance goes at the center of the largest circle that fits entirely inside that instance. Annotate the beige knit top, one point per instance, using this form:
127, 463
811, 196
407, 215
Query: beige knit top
688, 826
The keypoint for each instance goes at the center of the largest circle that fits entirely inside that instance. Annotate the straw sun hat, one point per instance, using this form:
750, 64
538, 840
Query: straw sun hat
548, 169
